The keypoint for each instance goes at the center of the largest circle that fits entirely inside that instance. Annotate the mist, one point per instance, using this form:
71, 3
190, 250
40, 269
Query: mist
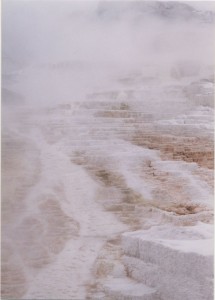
67, 49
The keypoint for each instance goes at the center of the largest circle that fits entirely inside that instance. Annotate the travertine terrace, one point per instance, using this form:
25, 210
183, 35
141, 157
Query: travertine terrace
107, 169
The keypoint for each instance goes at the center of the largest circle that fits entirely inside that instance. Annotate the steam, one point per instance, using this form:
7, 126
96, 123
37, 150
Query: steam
70, 48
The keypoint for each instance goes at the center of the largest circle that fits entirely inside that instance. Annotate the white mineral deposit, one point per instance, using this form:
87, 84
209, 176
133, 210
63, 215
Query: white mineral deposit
107, 150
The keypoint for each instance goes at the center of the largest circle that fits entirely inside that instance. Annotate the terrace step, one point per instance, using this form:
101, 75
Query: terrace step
128, 289
177, 261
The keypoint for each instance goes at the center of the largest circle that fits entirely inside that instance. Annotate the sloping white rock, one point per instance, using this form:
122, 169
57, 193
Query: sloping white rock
178, 262
127, 289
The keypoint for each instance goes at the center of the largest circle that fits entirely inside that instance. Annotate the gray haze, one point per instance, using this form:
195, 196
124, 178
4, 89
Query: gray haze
91, 42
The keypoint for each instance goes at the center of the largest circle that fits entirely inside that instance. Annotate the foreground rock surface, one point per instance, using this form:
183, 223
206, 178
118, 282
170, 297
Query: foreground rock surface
178, 262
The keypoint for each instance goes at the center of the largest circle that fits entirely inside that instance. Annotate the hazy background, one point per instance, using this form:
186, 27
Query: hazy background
64, 49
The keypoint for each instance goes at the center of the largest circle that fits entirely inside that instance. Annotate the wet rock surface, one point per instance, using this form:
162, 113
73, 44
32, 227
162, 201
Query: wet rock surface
75, 162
